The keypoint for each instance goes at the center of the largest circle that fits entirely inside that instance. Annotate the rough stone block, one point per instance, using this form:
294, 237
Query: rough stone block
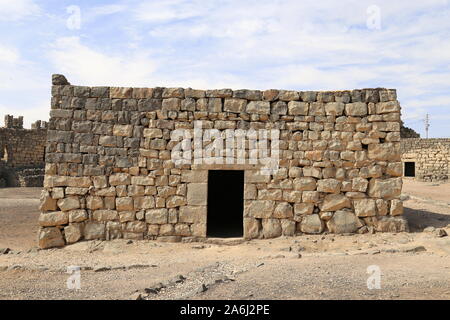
329, 186
343, 222
105, 215
120, 93
365, 207
73, 233
356, 109
69, 203
252, 228
94, 230
50, 238
388, 107
123, 130
384, 151
197, 194
334, 109
296, 108
335, 202
385, 188
258, 107
302, 209
119, 179
77, 215
53, 219
288, 227
312, 224
157, 216
47, 202
359, 184
271, 228
259, 208
193, 214
283, 210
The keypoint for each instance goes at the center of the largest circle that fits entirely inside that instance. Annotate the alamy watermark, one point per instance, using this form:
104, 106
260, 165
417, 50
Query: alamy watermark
373, 21
374, 280
73, 22
229, 146
74, 280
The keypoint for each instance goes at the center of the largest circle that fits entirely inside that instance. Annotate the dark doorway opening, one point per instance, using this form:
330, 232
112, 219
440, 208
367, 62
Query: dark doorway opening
225, 203
410, 169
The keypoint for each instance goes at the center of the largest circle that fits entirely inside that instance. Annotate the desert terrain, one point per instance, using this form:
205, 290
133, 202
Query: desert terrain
414, 265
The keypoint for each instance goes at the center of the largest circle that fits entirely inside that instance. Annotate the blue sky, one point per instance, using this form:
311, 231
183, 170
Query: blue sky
289, 44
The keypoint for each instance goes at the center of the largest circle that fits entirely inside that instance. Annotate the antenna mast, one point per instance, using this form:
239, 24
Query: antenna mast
427, 124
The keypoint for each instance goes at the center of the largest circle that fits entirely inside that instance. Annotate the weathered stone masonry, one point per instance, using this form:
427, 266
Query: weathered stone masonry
109, 172
22, 153
430, 157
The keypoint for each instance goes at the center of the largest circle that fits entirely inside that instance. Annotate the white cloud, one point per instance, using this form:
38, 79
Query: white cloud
430, 102
316, 45
169, 10
88, 66
8, 55
16, 72
90, 14
107, 9
13, 10
23, 88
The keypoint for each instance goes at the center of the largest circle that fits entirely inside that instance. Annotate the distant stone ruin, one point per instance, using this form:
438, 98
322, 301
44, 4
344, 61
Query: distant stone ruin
426, 159
173, 163
22, 153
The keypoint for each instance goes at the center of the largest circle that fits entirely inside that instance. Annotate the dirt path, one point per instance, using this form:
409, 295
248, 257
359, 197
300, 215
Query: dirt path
18, 217
330, 267
428, 204
427, 190
413, 265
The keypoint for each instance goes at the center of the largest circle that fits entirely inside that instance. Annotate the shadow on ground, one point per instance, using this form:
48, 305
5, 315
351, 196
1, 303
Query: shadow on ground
420, 219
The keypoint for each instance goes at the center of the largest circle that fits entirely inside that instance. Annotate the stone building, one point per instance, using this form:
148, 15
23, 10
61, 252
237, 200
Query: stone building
22, 153
426, 159
132, 163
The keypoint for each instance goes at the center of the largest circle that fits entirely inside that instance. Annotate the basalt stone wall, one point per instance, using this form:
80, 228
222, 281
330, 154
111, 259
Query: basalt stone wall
430, 156
22, 153
407, 133
109, 172
21, 147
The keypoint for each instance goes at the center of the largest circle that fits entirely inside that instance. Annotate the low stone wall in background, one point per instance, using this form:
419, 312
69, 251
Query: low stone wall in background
430, 156
110, 174
22, 153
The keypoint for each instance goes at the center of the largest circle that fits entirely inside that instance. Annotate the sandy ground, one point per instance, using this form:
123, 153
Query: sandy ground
430, 191
19, 216
412, 265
